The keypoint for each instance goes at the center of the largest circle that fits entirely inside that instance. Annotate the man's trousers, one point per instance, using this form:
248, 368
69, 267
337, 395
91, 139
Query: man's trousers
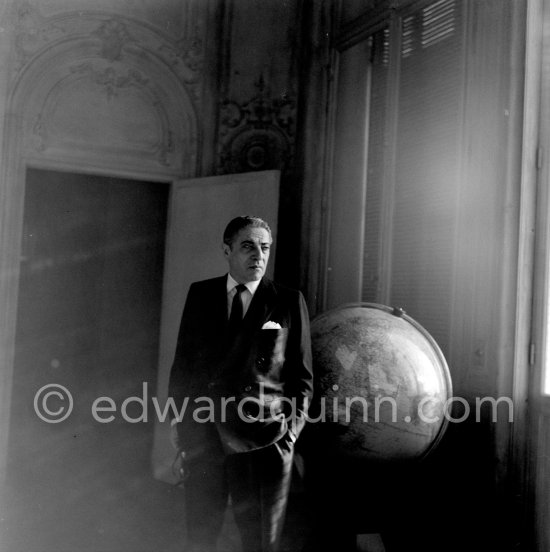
258, 483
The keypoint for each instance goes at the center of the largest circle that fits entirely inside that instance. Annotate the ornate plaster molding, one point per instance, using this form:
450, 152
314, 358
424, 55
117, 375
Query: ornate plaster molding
258, 134
111, 81
113, 37
61, 60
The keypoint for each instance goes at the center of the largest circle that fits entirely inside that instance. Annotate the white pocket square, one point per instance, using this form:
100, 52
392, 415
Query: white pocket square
271, 326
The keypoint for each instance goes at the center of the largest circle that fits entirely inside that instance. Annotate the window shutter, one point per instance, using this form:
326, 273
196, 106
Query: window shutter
411, 250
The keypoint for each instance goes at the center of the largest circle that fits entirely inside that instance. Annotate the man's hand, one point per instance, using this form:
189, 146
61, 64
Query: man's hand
179, 468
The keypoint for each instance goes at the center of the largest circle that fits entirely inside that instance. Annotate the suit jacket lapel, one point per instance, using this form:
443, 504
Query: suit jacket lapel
217, 302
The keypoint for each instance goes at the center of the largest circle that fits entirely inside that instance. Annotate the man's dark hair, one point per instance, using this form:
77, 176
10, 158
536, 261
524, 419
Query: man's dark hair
238, 223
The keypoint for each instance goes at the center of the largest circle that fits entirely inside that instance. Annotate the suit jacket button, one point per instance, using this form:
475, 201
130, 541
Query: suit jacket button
248, 388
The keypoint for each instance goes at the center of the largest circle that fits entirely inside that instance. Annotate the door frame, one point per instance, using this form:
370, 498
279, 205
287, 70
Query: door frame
533, 312
10, 245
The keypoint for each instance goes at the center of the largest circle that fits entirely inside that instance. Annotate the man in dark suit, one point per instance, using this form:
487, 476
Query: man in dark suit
242, 370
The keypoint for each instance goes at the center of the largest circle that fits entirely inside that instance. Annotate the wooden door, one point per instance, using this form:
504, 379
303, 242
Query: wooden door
198, 213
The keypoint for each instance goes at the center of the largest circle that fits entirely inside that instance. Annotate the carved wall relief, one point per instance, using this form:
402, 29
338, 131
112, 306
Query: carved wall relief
258, 134
107, 88
98, 105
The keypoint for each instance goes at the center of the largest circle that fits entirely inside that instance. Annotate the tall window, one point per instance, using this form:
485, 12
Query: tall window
413, 163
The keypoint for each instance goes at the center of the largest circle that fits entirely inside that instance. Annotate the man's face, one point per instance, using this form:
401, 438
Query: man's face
248, 255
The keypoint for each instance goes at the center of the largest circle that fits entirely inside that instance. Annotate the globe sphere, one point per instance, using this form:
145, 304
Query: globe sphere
381, 384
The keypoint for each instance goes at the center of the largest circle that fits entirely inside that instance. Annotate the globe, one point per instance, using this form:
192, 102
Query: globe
381, 385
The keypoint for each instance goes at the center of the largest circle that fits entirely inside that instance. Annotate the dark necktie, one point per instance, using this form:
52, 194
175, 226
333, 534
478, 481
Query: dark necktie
237, 307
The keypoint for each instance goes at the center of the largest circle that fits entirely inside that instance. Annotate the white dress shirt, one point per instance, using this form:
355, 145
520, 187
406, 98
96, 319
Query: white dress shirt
246, 296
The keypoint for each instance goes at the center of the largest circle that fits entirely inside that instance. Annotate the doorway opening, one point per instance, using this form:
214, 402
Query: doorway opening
89, 310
